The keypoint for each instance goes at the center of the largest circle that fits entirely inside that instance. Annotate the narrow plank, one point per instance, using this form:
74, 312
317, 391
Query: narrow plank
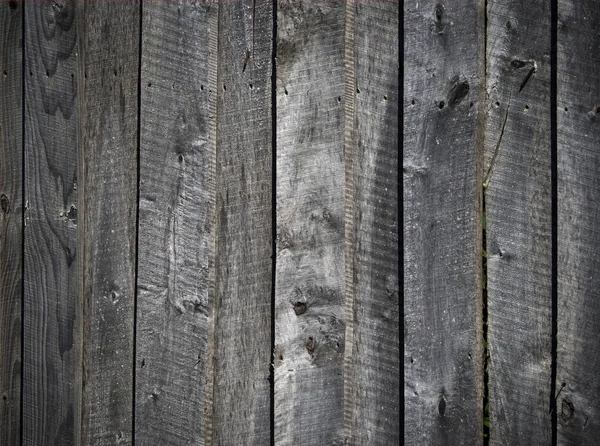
11, 218
309, 299
176, 222
372, 407
107, 120
241, 397
443, 71
578, 117
518, 200
50, 267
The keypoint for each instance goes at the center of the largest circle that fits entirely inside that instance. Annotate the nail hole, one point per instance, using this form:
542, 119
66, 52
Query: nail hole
339, 99
357, 91
202, 87
180, 158
598, 110
149, 84
143, 363
5, 73
497, 104
281, 357
299, 308
442, 406
250, 85
385, 98
412, 102
441, 104
47, 73
224, 88
4, 397
471, 104
285, 91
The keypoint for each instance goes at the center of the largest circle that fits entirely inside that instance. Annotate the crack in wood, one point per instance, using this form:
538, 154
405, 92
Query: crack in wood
490, 171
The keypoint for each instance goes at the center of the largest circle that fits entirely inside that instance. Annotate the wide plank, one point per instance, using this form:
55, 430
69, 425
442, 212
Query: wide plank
443, 75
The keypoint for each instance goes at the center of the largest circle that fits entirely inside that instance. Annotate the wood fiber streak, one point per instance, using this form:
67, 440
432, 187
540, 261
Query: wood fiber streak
50, 267
11, 218
107, 119
374, 405
517, 175
244, 225
443, 71
309, 313
578, 98
176, 222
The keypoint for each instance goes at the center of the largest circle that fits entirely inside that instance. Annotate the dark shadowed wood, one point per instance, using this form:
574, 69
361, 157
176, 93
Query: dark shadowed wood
443, 71
50, 270
176, 239
11, 218
309, 314
372, 406
244, 225
518, 197
107, 80
578, 354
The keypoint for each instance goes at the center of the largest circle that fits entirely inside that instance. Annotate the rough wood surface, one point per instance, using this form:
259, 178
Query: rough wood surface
518, 195
578, 355
176, 221
50, 269
443, 71
309, 300
107, 119
11, 220
241, 396
372, 407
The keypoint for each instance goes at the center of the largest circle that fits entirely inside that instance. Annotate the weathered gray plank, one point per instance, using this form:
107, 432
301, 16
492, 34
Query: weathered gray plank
309, 313
578, 113
50, 270
176, 223
11, 218
372, 373
518, 199
443, 71
107, 120
244, 225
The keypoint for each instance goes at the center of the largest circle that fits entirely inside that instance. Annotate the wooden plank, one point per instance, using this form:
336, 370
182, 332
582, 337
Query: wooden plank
11, 218
176, 223
50, 267
372, 373
443, 105
518, 201
309, 300
241, 395
107, 120
578, 139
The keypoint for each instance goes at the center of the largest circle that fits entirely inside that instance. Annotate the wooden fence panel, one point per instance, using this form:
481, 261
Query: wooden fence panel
518, 205
50, 267
107, 78
176, 221
578, 118
11, 218
309, 299
443, 71
372, 378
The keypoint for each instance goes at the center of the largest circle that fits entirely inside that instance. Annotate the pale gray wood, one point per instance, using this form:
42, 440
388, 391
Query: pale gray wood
518, 196
50, 267
578, 97
443, 110
372, 373
242, 340
309, 300
11, 218
107, 120
176, 222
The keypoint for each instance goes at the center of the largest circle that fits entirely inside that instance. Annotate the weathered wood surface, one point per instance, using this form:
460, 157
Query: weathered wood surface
372, 405
50, 269
517, 178
242, 342
11, 220
309, 298
578, 113
443, 374
107, 120
176, 221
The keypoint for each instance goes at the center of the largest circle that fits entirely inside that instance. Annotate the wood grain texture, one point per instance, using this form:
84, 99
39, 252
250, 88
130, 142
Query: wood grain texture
176, 222
241, 396
518, 197
11, 218
309, 300
443, 72
50, 269
372, 407
578, 98
107, 119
